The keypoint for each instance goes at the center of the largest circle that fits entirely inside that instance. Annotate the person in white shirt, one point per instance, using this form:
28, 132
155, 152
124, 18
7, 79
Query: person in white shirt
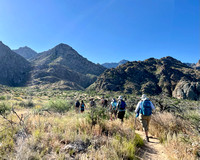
144, 110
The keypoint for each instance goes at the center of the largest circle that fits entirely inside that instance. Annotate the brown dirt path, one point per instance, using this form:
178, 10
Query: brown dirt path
152, 150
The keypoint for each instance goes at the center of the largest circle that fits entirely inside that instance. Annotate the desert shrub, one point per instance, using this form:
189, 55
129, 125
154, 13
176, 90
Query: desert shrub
59, 106
125, 147
8, 131
2, 98
166, 123
4, 108
7, 141
27, 104
194, 118
97, 114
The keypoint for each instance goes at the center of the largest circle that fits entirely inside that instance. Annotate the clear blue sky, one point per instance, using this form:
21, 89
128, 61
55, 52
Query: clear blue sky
105, 30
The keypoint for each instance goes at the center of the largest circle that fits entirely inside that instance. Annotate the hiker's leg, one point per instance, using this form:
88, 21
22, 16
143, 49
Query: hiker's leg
148, 118
144, 123
111, 116
123, 113
115, 114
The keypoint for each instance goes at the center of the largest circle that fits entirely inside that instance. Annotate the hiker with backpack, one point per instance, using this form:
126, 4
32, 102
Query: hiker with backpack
121, 107
144, 110
113, 108
104, 102
82, 106
77, 105
92, 103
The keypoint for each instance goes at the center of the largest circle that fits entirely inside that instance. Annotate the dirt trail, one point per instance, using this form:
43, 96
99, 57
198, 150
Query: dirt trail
152, 150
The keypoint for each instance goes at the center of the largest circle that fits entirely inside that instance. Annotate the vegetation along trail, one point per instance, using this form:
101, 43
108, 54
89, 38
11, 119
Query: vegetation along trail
152, 150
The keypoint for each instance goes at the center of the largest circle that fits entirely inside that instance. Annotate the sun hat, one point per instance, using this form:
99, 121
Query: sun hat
143, 97
120, 97
113, 99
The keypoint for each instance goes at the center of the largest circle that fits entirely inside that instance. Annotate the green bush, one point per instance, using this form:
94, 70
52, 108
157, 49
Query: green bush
27, 104
2, 98
126, 148
59, 106
97, 114
4, 109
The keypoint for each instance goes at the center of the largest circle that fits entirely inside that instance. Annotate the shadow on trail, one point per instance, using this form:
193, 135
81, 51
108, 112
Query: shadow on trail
145, 152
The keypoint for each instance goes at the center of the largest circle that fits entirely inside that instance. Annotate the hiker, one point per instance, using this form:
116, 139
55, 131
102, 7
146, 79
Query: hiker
113, 108
104, 102
82, 106
121, 107
144, 110
92, 103
77, 105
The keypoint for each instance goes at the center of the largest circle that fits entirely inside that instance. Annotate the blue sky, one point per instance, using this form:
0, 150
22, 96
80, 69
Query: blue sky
105, 30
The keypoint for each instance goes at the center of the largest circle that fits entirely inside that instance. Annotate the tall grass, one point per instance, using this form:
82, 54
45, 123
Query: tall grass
178, 135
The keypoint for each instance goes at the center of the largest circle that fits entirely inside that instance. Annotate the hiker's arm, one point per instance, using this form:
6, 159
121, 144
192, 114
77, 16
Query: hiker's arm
137, 107
152, 106
126, 105
110, 106
117, 106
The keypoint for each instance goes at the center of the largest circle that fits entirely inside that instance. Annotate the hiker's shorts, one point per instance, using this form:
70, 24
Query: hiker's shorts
121, 115
145, 121
113, 111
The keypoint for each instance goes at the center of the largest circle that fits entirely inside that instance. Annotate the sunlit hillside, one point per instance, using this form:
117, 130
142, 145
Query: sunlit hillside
43, 124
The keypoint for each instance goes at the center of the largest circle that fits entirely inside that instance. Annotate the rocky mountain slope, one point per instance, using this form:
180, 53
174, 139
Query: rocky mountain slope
63, 67
14, 69
26, 52
114, 65
194, 65
152, 76
198, 65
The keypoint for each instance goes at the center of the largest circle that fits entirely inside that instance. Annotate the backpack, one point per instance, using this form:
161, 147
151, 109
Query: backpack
77, 104
91, 103
122, 105
82, 105
104, 102
114, 105
146, 109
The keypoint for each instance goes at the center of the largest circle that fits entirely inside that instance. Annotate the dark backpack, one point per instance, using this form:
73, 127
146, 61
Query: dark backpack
122, 105
104, 102
77, 104
146, 109
92, 103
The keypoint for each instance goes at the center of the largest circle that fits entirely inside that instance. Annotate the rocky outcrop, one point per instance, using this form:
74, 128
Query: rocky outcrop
198, 65
14, 69
193, 65
152, 76
187, 90
26, 52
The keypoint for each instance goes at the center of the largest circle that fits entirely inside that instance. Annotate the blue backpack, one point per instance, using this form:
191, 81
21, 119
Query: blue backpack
146, 109
114, 105
122, 105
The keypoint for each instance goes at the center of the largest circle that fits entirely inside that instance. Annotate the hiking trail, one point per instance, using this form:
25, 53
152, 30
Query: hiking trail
152, 150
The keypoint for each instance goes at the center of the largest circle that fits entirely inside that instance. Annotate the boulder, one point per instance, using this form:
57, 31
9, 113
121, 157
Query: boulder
187, 90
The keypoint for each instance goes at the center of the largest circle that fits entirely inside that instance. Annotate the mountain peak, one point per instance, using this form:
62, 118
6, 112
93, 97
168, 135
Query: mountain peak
63, 45
14, 68
25, 52
114, 64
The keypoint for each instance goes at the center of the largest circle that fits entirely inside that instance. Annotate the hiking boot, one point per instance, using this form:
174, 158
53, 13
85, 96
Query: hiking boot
147, 138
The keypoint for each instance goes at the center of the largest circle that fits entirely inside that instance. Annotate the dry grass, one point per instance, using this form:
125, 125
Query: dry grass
178, 135
51, 135
61, 136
